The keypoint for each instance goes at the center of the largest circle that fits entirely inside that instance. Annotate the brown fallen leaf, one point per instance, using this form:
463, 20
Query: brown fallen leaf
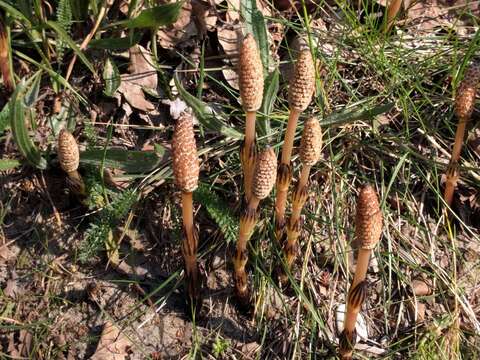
181, 30
421, 288
143, 75
113, 345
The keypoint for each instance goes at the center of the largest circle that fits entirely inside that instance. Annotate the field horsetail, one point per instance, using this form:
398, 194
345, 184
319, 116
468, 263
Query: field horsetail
69, 158
264, 177
368, 230
186, 169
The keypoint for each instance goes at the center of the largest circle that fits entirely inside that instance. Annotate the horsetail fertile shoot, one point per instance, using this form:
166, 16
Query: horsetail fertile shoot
264, 177
368, 229
300, 94
464, 105
186, 169
251, 92
69, 158
310, 151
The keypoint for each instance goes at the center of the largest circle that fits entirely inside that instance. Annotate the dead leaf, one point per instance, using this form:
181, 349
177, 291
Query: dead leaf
421, 288
143, 75
113, 345
181, 30
12, 289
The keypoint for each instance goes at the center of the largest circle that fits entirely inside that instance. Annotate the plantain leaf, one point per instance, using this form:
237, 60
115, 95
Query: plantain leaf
7, 164
156, 16
19, 126
132, 162
205, 114
62, 34
111, 76
359, 113
116, 43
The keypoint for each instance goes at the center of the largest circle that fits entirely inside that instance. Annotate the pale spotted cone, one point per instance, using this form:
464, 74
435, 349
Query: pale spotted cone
368, 227
466, 92
68, 153
250, 74
265, 173
186, 165
311, 143
302, 85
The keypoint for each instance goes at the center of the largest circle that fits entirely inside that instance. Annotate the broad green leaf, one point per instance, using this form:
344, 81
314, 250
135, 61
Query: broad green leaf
205, 114
20, 130
68, 40
111, 76
4, 118
255, 24
117, 43
7, 164
269, 97
154, 17
355, 114
132, 162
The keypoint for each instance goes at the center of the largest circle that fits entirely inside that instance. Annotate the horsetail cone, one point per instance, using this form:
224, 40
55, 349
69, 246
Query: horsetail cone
250, 75
302, 85
68, 153
465, 99
311, 142
186, 166
265, 173
368, 227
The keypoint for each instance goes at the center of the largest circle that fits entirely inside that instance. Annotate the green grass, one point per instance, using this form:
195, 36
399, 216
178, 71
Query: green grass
402, 149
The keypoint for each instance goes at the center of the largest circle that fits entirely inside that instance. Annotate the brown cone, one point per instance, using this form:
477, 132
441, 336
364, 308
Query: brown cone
250, 73
311, 143
302, 86
185, 159
466, 92
68, 153
368, 227
265, 173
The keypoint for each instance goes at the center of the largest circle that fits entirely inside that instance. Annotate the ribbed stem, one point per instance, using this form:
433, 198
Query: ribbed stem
284, 172
247, 224
360, 275
248, 153
189, 247
76, 183
452, 166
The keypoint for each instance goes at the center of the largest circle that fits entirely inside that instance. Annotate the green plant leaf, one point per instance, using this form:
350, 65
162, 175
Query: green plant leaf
9, 9
205, 114
359, 113
19, 127
255, 24
269, 97
7, 164
111, 76
117, 43
4, 118
132, 162
156, 16
68, 40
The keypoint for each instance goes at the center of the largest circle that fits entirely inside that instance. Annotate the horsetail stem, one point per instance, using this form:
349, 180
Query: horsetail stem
69, 158
264, 178
464, 105
310, 151
251, 92
300, 94
186, 169
368, 229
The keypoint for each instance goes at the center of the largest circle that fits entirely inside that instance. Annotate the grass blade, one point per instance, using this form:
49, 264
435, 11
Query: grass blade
355, 114
154, 17
19, 127
116, 43
7, 164
132, 162
111, 76
269, 97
